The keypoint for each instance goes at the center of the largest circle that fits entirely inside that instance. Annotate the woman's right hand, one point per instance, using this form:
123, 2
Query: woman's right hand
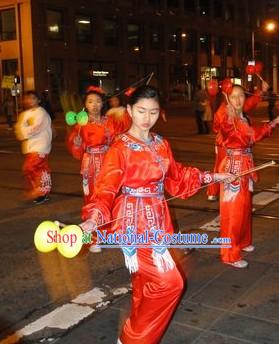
224, 177
88, 226
275, 122
265, 86
78, 141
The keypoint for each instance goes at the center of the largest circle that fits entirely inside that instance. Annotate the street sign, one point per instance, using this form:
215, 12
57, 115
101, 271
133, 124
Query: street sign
100, 73
7, 81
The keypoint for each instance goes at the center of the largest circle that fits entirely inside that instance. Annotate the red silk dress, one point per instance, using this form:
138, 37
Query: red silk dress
250, 104
96, 138
130, 190
236, 198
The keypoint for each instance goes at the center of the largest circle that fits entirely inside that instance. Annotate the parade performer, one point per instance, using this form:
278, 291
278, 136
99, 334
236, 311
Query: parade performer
238, 137
90, 142
137, 169
250, 104
33, 128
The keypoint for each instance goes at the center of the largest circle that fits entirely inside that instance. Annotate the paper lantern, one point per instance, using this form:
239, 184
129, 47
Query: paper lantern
212, 87
250, 69
258, 67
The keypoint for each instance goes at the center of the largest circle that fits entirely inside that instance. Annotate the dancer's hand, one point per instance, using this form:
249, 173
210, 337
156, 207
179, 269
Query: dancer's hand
231, 112
224, 177
265, 86
275, 122
88, 226
78, 141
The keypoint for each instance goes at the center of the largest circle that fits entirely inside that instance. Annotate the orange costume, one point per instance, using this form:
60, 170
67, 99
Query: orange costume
250, 104
236, 198
90, 142
130, 190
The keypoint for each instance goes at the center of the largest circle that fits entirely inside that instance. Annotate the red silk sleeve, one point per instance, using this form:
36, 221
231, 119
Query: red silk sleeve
180, 180
75, 150
261, 132
107, 187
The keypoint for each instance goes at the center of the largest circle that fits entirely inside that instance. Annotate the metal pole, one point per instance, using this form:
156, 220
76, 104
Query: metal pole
253, 45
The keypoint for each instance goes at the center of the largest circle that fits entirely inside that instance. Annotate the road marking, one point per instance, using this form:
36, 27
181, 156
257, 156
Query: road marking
91, 297
264, 198
120, 291
62, 317
68, 315
212, 226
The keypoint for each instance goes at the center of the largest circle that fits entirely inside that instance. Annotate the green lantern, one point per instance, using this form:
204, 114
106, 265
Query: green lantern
82, 118
71, 118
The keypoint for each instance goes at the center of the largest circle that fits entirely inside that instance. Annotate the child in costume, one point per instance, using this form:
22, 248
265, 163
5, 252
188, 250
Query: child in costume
89, 143
33, 128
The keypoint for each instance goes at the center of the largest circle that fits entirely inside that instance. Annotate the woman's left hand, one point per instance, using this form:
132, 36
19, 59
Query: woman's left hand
275, 122
224, 177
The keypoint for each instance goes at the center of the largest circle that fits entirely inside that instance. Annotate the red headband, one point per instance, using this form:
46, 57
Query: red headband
95, 89
130, 91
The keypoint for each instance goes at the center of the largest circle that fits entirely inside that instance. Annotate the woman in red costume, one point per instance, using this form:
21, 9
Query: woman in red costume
238, 137
137, 169
250, 104
90, 142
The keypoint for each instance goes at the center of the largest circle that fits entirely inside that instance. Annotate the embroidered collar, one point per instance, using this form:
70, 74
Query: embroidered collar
100, 122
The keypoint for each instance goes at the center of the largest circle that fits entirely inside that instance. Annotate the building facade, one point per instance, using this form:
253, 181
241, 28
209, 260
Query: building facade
66, 45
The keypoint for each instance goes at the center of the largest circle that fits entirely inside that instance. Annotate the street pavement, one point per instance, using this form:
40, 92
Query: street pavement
46, 298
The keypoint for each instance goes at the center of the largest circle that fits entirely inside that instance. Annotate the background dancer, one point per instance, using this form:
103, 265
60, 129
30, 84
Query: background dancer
249, 105
34, 130
236, 198
90, 142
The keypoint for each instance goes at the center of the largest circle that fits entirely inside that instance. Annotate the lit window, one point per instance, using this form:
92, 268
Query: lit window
83, 28
7, 25
54, 24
